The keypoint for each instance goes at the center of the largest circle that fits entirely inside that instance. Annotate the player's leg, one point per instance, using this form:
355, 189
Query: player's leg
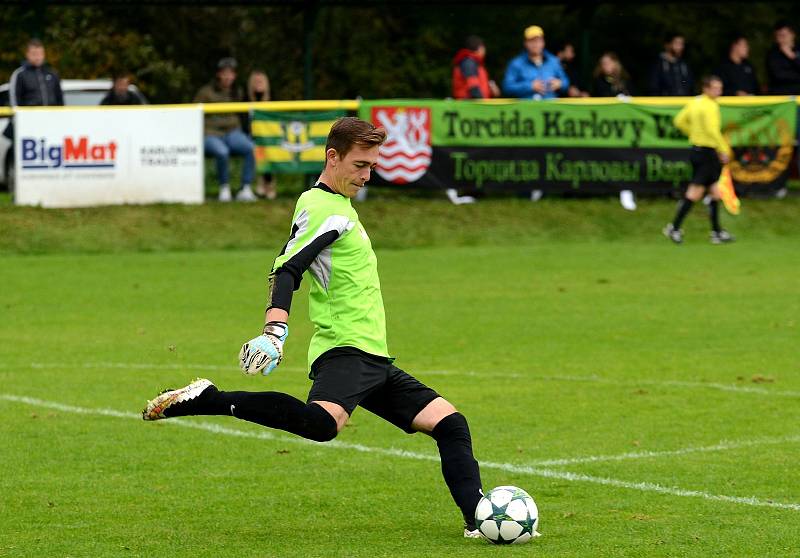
314, 420
718, 234
694, 193
442, 421
413, 407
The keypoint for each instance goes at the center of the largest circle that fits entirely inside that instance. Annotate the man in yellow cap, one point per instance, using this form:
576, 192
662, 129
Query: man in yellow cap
535, 73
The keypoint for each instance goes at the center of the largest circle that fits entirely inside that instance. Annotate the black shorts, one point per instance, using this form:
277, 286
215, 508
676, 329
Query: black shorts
706, 167
350, 377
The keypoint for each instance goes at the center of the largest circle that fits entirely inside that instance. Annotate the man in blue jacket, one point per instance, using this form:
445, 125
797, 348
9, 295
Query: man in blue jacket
535, 73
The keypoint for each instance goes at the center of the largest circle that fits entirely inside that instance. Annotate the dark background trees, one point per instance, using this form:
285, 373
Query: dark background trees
372, 49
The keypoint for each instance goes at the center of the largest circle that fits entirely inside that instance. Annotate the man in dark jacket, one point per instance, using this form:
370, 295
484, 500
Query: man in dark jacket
737, 73
470, 79
121, 92
35, 83
783, 62
670, 75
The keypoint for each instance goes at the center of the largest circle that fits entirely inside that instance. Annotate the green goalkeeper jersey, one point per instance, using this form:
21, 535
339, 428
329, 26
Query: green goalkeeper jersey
329, 245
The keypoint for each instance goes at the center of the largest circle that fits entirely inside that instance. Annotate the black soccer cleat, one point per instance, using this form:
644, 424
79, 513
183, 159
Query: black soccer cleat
675, 235
721, 237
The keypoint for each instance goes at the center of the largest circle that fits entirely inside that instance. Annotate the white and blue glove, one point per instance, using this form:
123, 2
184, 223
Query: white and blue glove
264, 353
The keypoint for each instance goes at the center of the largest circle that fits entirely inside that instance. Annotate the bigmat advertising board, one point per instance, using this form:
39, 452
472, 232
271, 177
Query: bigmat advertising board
557, 146
83, 157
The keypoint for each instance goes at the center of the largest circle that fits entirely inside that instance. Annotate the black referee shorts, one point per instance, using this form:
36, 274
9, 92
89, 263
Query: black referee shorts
351, 378
706, 167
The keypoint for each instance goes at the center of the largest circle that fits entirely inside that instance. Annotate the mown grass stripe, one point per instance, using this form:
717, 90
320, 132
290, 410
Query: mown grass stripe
393, 452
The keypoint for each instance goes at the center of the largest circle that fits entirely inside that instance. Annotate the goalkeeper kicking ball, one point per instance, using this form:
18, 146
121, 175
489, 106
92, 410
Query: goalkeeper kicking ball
507, 515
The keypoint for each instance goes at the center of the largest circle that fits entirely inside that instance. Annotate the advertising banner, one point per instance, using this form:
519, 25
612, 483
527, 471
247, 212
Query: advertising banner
84, 157
557, 146
291, 142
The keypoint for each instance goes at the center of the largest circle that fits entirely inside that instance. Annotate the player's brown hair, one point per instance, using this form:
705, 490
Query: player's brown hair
349, 131
706, 81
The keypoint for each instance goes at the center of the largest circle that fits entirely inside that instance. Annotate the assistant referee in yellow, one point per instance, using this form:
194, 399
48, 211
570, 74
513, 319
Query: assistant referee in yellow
700, 120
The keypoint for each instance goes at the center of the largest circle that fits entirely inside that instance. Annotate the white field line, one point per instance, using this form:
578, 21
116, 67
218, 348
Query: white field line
734, 388
721, 446
394, 452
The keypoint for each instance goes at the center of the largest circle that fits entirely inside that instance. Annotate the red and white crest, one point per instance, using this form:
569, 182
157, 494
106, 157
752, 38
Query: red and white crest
406, 155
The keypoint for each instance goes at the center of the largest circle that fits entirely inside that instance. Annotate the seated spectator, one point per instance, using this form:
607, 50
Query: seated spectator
121, 92
783, 62
470, 79
223, 134
736, 72
258, 92
566, 55
535, 73
610, 78
670, 75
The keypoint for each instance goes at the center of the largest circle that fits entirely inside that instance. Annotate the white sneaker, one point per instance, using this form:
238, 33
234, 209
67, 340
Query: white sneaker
536, 195
627, 200
224, 193
453, 196
246, 194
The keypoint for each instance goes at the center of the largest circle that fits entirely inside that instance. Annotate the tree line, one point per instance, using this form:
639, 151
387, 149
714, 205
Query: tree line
386, 50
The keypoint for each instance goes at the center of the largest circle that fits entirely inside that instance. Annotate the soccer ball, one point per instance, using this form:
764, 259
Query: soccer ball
507, 515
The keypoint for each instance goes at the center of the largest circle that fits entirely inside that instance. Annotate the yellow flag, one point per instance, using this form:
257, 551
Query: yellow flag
727, 192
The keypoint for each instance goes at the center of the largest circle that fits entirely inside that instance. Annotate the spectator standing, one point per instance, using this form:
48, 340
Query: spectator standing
670, 75
566, 55
535, 73
258, 92
783, 62
223, 132
35, 83
470, 78
121, 92
736, 72
610, 77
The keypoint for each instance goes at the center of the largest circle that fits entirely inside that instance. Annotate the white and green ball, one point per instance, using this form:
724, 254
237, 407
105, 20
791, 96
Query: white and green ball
507, 515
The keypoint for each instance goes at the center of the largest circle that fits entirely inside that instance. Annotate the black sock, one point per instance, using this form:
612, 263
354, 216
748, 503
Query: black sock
684, 206
459, 468
267, 408
713, 214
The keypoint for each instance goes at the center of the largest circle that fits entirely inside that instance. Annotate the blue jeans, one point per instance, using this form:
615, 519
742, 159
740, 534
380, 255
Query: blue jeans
232, 143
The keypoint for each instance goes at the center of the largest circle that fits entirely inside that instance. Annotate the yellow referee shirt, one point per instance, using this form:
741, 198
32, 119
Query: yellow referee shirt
700, 120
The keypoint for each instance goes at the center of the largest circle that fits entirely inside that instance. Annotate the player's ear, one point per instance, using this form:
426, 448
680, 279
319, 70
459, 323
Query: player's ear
331, 156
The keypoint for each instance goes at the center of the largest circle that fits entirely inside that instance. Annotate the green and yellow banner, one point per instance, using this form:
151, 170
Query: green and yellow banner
291, 142
595, 145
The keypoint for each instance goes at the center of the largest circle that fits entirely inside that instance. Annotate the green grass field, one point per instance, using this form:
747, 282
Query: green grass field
645, 394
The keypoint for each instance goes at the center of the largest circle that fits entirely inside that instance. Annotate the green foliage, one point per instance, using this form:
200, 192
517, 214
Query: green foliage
371, 50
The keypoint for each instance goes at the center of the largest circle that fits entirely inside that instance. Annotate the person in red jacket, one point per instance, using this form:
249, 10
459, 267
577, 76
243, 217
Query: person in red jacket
470, 79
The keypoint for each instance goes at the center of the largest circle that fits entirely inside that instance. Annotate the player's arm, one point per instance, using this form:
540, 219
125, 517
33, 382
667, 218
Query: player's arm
264, 353
712, 123
681, 120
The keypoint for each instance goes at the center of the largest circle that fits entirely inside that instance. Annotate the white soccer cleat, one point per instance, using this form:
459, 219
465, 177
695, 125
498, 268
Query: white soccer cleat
474, 534
172, 399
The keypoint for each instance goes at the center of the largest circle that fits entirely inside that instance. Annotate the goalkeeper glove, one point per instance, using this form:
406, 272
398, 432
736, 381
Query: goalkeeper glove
265, 352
